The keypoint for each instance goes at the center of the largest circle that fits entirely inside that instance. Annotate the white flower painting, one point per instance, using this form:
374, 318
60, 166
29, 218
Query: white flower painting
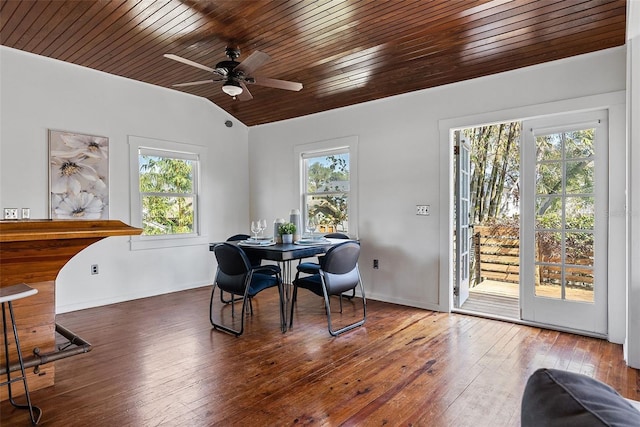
78, 176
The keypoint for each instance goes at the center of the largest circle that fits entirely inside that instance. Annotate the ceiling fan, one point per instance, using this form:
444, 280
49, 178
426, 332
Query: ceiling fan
236, 75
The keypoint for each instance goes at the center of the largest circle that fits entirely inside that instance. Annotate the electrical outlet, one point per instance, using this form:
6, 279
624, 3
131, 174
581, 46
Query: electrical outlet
94, 268
376, 264
423, 210
10, 213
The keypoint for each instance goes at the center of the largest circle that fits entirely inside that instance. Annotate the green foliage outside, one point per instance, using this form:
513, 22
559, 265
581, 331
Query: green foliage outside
495, 182
576, 149
327, 180
166, 185
564, 158
495, 178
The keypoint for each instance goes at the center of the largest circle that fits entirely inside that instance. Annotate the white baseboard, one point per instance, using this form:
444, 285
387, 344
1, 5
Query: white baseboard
126, 297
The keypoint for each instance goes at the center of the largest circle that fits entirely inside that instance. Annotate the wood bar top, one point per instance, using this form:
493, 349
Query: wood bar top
33, 252
36, 250
47, 229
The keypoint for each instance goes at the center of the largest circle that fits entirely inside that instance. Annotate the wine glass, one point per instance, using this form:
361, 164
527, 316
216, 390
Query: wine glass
255, 229
263, 226
311, 226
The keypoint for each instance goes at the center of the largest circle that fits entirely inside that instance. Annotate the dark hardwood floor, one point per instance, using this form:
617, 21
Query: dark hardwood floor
156, 361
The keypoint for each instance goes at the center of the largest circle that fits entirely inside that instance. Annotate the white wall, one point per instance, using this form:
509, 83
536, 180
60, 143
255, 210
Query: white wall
38, 94
400, 164
633, 104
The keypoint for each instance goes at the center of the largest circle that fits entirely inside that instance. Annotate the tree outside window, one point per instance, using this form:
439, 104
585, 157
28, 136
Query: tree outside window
327, 187
168, 192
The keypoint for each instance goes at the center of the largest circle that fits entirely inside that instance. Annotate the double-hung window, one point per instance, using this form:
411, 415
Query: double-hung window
328, 192
168, 192
164, 192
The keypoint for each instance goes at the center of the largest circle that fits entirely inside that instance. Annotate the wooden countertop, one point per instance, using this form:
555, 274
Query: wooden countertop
33, 251
47, 229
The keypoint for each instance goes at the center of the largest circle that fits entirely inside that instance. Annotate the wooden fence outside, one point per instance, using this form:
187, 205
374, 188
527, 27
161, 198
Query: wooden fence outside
497, 257
497, 253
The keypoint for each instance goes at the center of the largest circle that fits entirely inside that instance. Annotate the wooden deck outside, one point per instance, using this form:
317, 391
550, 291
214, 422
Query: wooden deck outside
512, 290
495, 287
494, 298
501, 299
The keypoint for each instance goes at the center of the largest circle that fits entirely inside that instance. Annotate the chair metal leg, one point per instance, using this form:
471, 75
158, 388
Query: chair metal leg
294, 297
327, 303
228, 301
34, 412
244, 312
283, 305
237, 333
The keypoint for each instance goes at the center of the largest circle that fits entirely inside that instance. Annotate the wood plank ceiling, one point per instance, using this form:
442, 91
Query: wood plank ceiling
344, 52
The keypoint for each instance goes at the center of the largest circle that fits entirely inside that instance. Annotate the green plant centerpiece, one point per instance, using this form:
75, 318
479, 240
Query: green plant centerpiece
287, 228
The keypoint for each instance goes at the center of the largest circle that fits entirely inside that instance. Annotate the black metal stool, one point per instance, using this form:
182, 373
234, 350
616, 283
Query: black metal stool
8, 295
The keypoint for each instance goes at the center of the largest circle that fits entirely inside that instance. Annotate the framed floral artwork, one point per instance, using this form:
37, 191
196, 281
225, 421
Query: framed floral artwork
78, 176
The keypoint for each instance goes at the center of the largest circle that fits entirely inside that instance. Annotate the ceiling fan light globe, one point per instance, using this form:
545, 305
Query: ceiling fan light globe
232, 88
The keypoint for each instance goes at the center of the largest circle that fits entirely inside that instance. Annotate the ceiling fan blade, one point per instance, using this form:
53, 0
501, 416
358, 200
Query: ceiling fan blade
278, 84
200, 82
223, 72
245, 95
188, 62
252, 63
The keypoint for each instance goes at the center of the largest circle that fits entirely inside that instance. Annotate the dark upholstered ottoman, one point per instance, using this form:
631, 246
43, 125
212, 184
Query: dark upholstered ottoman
558, 398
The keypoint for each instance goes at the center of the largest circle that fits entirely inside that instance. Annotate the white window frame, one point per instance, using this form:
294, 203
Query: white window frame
177, 150
321, 148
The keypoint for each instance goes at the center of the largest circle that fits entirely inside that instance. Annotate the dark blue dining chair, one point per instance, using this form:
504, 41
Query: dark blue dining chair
314, 267
338, 273
238, 277
254, 260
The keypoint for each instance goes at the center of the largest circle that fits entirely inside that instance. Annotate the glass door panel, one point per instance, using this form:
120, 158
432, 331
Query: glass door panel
563, 191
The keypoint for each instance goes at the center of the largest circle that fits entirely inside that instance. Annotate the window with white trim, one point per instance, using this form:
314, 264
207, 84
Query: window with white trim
164, 192
327, 186
168, 191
